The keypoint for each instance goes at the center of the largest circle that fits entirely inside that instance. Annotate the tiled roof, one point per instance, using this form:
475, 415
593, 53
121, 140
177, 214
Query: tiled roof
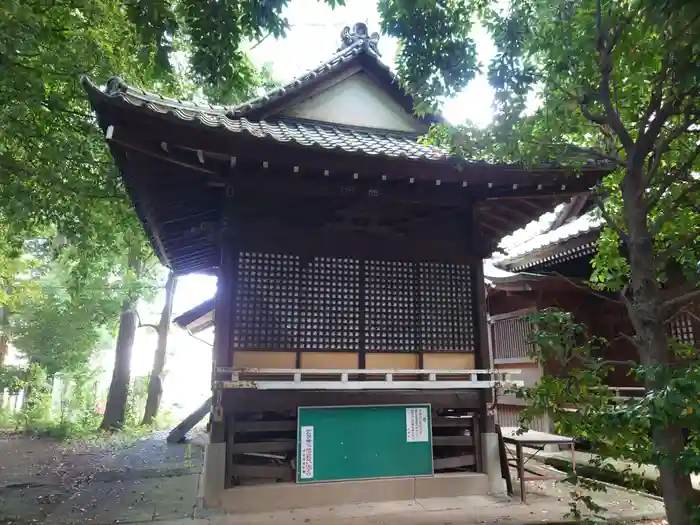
300, 131
115, 85
514, 259
238, 119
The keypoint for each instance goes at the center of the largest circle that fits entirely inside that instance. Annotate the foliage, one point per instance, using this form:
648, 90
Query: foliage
55, 171
75, 416
54, 167
214, 34
436, 54
12, 379
615, 429
616, 84
36, 410
61, 325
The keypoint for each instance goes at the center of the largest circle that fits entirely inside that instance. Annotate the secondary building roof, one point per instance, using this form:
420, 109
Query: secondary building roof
576, 238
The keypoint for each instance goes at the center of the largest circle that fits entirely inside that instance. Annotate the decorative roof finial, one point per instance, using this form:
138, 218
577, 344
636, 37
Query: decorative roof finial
359, 33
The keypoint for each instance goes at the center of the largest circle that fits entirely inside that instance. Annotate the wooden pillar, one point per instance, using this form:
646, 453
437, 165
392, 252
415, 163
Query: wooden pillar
483, 352
488, 452
222, 355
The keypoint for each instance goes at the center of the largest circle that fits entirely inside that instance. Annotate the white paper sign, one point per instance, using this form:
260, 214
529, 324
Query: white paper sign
417, 425
306, 462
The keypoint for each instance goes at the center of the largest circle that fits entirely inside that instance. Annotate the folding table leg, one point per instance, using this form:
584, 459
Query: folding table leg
521, 471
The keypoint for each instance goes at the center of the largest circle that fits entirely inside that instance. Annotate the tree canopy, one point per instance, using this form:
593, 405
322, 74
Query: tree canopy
614, 81
55, 169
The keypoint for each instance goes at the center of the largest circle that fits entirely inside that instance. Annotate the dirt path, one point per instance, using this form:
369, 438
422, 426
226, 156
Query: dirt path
42, 480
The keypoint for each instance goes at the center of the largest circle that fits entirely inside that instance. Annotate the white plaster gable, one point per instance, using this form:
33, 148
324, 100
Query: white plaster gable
356, 101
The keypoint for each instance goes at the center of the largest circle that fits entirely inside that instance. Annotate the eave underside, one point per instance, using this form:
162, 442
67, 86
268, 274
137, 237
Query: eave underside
177, 174
571, 258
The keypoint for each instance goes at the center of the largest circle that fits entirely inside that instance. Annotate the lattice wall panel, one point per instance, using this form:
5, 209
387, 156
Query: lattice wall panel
446, 312
267, 302
330, 305
511, 337
390, 309
286, 303
681, 328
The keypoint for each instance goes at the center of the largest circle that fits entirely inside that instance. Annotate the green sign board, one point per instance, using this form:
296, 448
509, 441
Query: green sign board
363, 442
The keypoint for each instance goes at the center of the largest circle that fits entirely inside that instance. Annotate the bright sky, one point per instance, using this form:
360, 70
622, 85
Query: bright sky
315, 35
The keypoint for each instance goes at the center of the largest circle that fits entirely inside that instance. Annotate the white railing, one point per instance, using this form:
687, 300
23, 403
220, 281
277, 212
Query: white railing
627, 392
366, 379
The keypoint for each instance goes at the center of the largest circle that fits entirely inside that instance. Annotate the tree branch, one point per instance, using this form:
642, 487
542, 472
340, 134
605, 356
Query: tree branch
672, 207
633, 341
608, 218
675, 176
656, 97
672, 107
587, 151
54, 107
142, 325
587, 289
690, 118
680, 299
601, 120
605, 44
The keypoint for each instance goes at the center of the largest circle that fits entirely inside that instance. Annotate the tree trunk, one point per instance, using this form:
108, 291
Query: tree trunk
155, 383
4, 337
115, 409
648, 317
4, 348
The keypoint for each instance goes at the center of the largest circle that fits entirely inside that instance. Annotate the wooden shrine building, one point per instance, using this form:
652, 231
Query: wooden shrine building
551, 270
349, 263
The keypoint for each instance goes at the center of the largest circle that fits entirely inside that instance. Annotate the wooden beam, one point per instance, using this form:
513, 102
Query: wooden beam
277, 472
515, 210
528, 202
247, 400
280, 445
465, 460
242, 145
357, 245
223, 314
462, 422
230, 442
266, 426
461, 441
498, 219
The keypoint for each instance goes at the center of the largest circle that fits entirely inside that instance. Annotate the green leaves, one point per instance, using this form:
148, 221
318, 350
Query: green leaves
214, 31
60, 325
616, 429
436, 55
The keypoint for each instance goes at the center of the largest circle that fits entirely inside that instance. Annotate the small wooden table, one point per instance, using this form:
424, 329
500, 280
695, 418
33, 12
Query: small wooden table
536, 440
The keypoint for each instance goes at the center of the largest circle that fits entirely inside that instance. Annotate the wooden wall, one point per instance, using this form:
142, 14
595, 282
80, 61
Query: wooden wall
261, 429
289, 311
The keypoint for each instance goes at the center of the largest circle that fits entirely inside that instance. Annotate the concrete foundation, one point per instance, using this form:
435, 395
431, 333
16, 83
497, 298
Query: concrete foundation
285, 496
492, 463
211, 484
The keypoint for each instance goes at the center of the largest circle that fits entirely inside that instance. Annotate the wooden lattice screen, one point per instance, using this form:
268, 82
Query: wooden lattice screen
510, 334
509, 416
682, 329
284, 302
